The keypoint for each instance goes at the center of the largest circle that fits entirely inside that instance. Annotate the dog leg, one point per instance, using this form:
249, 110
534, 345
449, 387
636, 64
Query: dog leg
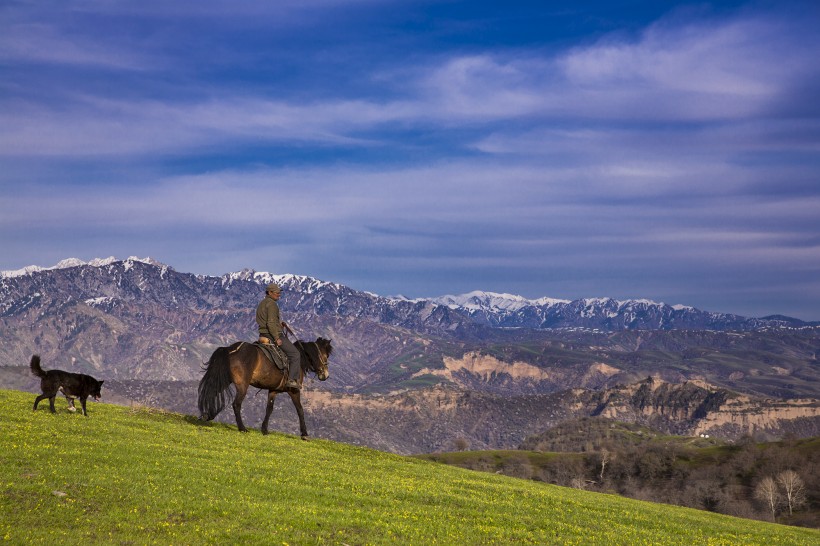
38, 399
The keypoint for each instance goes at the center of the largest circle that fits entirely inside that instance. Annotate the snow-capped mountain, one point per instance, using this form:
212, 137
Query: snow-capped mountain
511, 311
76, 262
493, 302
145, 279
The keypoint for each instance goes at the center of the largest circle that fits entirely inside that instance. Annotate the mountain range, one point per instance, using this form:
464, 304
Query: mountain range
147, 328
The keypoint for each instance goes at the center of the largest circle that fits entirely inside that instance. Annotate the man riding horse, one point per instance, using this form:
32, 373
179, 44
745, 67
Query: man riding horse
271, 331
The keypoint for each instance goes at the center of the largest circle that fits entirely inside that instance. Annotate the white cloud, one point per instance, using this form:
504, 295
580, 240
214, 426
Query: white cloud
717, 72
724, 70
661, 152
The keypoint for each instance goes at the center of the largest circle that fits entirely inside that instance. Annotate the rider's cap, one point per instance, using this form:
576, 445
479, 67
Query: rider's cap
273, 287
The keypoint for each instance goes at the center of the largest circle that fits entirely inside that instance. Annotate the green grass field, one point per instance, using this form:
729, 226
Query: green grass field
140, 476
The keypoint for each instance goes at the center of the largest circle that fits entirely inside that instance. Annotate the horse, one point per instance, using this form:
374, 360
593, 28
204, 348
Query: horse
244, 364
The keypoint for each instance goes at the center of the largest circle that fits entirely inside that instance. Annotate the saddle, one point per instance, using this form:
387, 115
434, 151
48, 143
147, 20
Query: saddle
274, 354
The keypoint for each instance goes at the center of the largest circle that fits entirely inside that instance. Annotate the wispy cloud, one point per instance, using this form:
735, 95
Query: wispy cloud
48, 44
660, 157
728, 71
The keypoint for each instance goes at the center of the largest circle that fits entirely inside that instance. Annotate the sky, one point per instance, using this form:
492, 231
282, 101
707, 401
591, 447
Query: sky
635, 150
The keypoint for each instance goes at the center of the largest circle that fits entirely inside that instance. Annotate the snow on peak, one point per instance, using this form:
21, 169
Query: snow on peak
492, 301
603, 302
478, 300
147, 260
62, 264
68, 262
21, 272
648, 303
76, 262
285, 280
100, 262
593, 302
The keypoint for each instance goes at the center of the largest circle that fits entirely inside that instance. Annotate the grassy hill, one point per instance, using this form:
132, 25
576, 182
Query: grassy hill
593, 433
140, 476
647, 464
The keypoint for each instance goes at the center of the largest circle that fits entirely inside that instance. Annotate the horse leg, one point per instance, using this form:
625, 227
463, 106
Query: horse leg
297, 401
241, 391
268, 411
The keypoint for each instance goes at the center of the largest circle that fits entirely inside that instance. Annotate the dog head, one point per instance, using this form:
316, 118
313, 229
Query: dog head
95, 390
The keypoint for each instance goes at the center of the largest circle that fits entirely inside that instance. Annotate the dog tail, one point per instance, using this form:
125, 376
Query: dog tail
35, 366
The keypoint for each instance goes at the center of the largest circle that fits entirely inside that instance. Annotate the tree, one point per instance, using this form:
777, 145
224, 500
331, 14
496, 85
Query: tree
793, 487
605, 458
461, 443
767, 492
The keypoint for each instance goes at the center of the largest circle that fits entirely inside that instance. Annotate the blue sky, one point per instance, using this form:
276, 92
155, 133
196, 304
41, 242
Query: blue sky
643, 149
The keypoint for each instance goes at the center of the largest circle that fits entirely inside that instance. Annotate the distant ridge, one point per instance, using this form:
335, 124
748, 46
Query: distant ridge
76, 262
480, 308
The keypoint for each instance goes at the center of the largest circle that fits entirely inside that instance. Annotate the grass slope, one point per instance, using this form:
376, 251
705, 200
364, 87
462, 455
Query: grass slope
137, 476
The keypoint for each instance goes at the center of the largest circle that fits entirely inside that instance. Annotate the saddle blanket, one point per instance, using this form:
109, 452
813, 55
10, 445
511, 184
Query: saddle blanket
274, 354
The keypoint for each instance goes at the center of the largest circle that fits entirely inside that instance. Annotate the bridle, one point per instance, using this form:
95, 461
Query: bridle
322, 357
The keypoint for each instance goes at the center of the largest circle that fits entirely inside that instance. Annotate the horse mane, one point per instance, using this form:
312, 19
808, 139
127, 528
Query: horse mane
326, 344
309, 364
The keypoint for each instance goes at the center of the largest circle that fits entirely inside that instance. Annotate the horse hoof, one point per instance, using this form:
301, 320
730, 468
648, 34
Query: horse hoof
306, 438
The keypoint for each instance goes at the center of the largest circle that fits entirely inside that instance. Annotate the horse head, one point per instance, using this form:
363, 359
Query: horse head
319, 365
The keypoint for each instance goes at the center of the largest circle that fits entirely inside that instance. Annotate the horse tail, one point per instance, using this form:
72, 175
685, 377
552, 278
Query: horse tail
35, 366
213, 387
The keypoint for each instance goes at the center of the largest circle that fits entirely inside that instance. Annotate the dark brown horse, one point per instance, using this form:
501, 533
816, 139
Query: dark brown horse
244, 365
